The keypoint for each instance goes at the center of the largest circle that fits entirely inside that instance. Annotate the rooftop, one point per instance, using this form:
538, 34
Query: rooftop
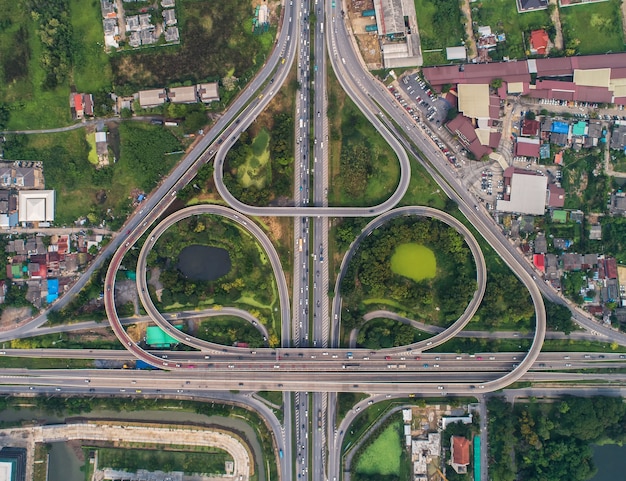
528, 194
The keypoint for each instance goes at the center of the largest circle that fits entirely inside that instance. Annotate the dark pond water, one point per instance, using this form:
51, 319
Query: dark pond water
203, 263
610, 460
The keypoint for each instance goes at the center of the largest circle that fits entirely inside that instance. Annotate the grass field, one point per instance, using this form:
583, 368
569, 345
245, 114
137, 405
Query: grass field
423, 190
439, 23
92, 70
594, 28
257, 171
382, 457
414, 261
502, 17
93, 155
349, 127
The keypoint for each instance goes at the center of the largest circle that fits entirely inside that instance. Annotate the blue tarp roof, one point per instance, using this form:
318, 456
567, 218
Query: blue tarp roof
53, 290
560, 127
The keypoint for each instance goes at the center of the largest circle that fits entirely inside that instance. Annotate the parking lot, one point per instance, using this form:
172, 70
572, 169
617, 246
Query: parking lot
432, 108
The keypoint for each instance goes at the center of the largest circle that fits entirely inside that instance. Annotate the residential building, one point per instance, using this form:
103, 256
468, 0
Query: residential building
168, 3
152, 98
459, 454
171, 35
422, 453
527, 147
169, 17
556, 196
78, 106
183, 95
539, 42
208, 92
530, 5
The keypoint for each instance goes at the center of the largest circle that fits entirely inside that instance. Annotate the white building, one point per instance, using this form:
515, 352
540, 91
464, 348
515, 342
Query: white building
35, 206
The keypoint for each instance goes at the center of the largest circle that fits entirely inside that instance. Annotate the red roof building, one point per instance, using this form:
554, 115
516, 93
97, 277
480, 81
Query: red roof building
530, 128
459, 449
527, 149
539, 42
610, 266
556, 196
539, 260
462, 127
78, 105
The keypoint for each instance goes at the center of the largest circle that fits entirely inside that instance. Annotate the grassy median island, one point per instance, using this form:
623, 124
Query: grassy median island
365, 167
248, 282
435, 292
414, 261
382, 456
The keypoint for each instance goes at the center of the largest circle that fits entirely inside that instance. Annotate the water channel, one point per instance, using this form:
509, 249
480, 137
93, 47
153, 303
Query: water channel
64, 465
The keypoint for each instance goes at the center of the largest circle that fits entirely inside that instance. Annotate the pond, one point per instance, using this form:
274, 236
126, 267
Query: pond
203, 263
610, 460
414, 261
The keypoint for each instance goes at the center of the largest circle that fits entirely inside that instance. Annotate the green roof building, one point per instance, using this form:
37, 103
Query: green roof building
579, 128
157, 337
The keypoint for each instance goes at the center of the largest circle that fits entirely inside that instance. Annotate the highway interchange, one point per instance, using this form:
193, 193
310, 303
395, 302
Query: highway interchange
310, 324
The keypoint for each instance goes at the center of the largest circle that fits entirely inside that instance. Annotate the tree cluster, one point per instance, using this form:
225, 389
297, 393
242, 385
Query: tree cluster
369, 274
385, 333
54, 29
551, 440
248, 274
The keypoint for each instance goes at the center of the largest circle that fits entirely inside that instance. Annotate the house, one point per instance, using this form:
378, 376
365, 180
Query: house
132, 23
572, 262
208, 92
107, 7
539, 42
169, 17
101, 143
530, 128
595, 232
556, 196
539, 262
168, 3
147, 36
541, 244
152, 98
183, 95
171, 35
78, 106
88, 104
459, 454
529, 5
456, 53
618, 137
527, 147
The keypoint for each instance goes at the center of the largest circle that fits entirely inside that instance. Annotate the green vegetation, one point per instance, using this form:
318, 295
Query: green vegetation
584, 180
275, 397
165, 460
256, 162
370, 279
382, 456
414, 261
92, 72
249, 283
227, 330
84, 191
551, 440
385, 333
502, 17
216, 41
423, 190
357, 148
43, 363
40, 467
440, 25
346, 401
613, 238
592, 29
67, 340
618, 159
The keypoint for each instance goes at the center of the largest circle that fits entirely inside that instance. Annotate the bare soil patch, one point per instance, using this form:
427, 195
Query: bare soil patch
13, 315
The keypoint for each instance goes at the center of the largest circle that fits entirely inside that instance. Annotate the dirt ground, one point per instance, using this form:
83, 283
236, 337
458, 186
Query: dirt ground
13, 315
368, 42
137, 332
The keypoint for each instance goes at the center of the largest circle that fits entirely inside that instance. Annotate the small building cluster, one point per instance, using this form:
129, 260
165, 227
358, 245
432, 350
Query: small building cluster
423, 435
81, 105
206, 93
144, 28
23, 199
48, 264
